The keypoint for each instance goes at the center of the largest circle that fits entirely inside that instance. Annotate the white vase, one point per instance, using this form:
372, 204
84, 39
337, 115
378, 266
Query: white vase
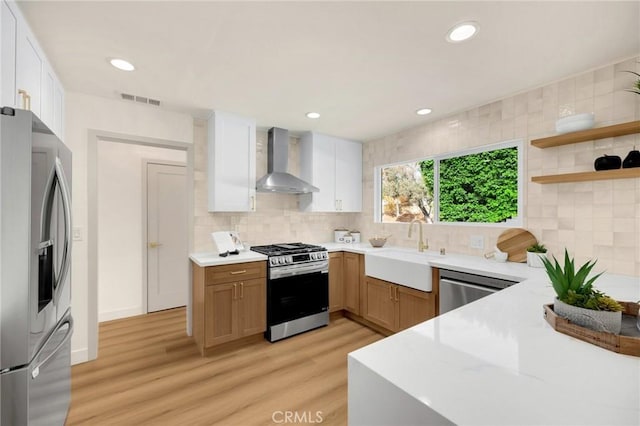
610, 322
535, 259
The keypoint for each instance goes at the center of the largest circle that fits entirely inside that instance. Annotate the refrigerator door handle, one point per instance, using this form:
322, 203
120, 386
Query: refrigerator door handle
57, 177
66, 207
69, 321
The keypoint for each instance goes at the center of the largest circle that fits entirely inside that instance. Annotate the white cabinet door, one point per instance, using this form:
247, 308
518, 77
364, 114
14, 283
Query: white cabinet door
24, 67
232, 163
8, 37
317, 155
46, 103
334, 165
28, 69
349, 176
58, 111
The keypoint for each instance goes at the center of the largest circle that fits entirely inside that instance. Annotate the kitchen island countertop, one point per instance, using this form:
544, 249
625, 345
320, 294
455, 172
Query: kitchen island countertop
496, 361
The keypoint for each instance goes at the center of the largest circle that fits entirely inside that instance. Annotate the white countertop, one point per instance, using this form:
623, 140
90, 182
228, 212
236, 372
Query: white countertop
497, 362
457, 262
213, 259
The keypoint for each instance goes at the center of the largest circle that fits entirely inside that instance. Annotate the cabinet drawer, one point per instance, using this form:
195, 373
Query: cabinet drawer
235, 272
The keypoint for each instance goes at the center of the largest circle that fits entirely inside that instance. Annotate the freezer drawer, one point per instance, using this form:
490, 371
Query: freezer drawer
39, 394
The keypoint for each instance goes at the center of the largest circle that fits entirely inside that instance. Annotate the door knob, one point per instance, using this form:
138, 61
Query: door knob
154, 244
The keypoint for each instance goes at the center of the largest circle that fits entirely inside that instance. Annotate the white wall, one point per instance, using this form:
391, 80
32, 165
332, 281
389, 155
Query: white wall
84, 113
120, 236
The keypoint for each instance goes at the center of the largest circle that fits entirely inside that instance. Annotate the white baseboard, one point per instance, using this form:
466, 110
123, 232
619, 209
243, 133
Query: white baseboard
120, 313
79, 356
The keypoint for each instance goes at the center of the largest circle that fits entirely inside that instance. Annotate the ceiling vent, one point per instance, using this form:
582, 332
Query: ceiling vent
140, 99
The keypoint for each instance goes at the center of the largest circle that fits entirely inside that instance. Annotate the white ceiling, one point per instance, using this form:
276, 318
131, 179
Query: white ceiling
365, 66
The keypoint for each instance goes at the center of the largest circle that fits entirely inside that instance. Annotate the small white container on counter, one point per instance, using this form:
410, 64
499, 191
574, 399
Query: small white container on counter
339, 235
355, 237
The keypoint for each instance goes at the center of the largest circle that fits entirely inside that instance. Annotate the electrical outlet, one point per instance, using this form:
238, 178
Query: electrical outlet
77, 234
476, 241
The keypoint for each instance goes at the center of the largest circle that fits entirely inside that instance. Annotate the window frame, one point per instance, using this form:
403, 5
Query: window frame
517, 143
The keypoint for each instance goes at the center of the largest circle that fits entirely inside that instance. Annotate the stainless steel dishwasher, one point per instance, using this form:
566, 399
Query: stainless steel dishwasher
459, 288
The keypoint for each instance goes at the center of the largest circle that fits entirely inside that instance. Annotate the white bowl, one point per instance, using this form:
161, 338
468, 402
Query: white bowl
573, 123
501, 256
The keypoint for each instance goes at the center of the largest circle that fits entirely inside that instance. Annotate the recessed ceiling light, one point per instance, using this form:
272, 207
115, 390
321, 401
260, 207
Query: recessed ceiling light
313, 115
463, 31
423, 111
121, 64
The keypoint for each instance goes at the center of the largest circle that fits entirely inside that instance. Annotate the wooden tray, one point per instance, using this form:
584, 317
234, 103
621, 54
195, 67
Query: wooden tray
627, 342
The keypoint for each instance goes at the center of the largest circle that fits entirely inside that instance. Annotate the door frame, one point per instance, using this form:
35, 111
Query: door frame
145, 217
101, 136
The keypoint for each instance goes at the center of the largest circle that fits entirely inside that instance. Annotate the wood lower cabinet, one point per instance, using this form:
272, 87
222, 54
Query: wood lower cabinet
353, 270
380, 306
395, 307
414, 306
335, 281
229, 302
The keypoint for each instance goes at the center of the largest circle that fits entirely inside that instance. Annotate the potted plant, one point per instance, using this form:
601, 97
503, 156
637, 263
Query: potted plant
578, 301
535, 253
636, 84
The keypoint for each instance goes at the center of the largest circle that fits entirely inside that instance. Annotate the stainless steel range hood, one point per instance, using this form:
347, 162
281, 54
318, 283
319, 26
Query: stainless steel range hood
277, 179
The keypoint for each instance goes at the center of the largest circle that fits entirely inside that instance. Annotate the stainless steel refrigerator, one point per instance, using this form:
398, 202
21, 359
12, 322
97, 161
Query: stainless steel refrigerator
35, 260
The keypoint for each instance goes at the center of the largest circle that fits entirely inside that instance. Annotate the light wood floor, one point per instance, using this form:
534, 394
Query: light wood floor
149, 372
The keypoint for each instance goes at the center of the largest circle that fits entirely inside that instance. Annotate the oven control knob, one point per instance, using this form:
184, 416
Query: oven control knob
313, 256
290, 259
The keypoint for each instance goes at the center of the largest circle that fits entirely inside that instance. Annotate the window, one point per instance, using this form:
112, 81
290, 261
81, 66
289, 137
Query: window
475, 186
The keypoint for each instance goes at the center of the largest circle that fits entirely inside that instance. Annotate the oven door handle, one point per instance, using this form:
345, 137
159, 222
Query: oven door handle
299, 270
474, 286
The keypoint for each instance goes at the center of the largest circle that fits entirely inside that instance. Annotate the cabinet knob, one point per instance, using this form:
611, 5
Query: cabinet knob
154, 244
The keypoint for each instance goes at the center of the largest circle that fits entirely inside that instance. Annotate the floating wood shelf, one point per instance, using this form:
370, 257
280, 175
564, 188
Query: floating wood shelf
588, 135
588, 176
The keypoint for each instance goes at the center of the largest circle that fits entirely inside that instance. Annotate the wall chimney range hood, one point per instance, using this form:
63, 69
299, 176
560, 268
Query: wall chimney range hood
277, 179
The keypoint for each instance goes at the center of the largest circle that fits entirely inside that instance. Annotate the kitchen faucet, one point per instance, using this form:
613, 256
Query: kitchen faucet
421, 245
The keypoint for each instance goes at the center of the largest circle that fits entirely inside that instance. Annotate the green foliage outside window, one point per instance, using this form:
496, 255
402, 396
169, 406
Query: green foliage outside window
479, 187
404, 194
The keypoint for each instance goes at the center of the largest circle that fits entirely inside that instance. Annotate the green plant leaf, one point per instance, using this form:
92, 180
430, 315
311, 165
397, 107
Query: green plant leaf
577, 283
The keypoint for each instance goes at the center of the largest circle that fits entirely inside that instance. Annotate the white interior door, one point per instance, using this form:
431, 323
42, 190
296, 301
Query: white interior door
167, 265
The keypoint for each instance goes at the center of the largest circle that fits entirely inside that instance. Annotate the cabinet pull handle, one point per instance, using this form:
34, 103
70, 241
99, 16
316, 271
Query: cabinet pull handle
26, 99
390, 292
244, 271
241, 290
253, 203
397, 288
235, 291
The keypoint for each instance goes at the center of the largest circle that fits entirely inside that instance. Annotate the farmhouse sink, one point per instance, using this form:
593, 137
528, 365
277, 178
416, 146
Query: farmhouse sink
405, 267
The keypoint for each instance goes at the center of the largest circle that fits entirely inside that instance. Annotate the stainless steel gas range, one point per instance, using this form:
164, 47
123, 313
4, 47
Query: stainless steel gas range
297, 288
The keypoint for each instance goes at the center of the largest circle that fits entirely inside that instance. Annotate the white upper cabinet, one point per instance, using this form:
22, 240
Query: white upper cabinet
8, 37
26, 77
335, 166
28, 72
232, 163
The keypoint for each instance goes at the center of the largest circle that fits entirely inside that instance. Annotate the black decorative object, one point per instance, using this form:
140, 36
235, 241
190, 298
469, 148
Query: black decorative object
632, 159
607, 162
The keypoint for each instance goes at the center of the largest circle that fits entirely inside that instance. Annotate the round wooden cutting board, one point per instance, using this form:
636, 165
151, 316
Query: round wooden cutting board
514, 242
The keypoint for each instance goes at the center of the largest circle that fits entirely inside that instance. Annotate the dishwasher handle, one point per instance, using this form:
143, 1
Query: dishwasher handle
474, 286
